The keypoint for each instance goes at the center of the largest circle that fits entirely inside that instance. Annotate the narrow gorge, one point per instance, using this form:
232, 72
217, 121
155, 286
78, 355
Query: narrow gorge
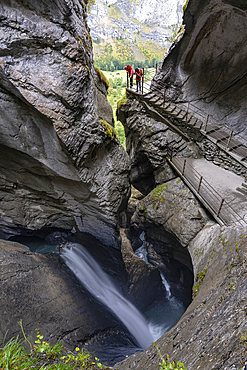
109, 249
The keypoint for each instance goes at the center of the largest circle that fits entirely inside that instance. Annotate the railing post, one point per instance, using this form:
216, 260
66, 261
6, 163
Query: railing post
199, 184
127, 80
171, 152
184, 166
221, 204
142, 79
229, 139
164, 97
187, 112
206, 122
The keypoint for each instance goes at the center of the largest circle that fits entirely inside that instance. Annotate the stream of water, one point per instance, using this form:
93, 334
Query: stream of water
91, 275
144, 329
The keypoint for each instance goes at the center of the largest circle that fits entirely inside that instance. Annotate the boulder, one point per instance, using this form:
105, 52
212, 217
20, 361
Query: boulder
144, 281
171, 209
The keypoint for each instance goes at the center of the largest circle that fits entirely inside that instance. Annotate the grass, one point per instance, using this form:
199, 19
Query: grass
42, 356
166, 364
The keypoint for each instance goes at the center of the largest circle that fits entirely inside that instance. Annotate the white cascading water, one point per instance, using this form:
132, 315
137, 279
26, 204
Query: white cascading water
91, 275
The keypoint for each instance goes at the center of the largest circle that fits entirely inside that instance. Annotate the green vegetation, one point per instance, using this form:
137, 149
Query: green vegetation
117, 83
102, 77
90, 3
166, 364
154, 196
185, 5
115, 55
122, 101
243, 339
43, 356
199, 280
111, 132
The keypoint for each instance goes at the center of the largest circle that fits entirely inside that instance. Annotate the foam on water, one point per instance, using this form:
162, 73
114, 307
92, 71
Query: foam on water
91, 275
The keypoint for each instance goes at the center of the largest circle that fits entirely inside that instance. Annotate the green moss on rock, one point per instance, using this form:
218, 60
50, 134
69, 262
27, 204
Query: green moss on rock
111, 132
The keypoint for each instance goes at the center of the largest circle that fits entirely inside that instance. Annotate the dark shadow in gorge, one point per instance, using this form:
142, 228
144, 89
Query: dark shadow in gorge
115, 342
164, 251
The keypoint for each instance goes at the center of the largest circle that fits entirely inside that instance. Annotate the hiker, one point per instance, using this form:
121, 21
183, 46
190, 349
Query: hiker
138, 73
130, 71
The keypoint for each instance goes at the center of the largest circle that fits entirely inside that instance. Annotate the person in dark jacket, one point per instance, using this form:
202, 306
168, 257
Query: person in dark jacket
130, 71
138, 73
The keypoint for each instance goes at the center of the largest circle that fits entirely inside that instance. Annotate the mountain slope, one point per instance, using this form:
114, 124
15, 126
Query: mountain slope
135, 22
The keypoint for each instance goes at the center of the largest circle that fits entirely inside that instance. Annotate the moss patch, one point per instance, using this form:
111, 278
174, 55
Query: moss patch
155, 196
123, 101
111, 132
198, 281
102, 77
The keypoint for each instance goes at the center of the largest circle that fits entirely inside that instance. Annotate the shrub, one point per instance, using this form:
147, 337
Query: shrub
166, 364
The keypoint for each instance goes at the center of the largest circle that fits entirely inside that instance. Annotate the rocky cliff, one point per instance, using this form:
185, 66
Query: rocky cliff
208, 65
62, 173
153, 20
60, 168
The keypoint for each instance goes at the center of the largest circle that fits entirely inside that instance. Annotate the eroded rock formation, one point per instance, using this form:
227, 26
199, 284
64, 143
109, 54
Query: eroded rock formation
41, 291
60, 171
208, 65
46, 53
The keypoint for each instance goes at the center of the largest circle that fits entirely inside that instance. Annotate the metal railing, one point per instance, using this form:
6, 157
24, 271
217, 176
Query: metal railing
227, 138
220, 209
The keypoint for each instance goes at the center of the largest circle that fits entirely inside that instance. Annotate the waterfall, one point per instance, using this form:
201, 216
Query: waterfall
91, 275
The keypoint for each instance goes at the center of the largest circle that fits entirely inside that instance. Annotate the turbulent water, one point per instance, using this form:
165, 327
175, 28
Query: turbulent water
89, 272
144, 329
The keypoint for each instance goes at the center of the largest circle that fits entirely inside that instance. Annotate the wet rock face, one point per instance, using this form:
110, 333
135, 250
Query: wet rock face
208, 66
144, 281
47, 77
211, 333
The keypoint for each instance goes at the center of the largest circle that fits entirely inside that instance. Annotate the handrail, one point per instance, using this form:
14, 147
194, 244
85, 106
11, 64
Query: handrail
219, 207
149, 85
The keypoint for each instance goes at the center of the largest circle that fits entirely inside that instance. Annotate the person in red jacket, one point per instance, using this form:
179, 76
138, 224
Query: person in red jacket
138, 73
130, 71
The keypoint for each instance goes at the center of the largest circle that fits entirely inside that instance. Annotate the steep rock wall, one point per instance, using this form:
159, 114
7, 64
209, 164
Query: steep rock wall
207, 67
153, 20
211, 333
46, 53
